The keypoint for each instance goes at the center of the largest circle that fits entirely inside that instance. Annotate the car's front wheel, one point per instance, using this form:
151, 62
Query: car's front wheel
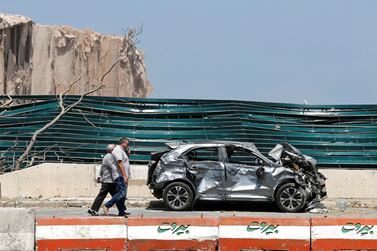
290, 198
178, 196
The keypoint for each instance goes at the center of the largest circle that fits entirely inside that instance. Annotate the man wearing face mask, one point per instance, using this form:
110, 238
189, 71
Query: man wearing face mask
120, 155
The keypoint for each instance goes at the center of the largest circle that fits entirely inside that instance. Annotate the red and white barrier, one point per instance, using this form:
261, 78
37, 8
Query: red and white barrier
237, 233
172, 233
209, 233
81, 233
339, 234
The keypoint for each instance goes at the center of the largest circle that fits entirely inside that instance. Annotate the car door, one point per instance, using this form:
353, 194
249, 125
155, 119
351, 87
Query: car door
206, 171
242, 183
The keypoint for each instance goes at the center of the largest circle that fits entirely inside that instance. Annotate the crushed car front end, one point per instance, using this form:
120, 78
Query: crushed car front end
306, 172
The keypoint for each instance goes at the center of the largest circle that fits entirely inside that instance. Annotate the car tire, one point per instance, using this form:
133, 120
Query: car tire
178, 196
290, 198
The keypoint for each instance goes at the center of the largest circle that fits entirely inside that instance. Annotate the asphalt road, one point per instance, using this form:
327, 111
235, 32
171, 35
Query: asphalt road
157, 209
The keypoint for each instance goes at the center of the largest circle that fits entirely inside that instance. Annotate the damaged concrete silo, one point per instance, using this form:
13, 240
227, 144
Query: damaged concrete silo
43, 59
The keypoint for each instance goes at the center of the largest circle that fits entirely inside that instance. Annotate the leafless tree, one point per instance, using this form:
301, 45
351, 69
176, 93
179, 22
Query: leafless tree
6, 104
127, 50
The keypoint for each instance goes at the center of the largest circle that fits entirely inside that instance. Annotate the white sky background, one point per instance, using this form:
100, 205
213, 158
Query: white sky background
279, 51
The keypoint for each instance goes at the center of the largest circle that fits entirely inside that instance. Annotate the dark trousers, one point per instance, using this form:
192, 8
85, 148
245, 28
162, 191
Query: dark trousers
120, 196
105, 189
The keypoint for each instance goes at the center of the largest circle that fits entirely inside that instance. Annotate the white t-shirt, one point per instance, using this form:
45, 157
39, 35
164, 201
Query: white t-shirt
119, 154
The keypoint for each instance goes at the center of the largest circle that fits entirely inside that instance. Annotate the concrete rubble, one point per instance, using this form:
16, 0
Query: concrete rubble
42, 59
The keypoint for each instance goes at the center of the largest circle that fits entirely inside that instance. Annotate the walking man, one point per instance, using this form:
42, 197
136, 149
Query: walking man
122, 163
108, 173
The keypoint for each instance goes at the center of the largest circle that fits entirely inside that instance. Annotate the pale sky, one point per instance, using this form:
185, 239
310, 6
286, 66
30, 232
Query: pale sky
278, 51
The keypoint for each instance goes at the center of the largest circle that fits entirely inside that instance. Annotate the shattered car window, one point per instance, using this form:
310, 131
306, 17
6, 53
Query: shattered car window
241, 156
203, 154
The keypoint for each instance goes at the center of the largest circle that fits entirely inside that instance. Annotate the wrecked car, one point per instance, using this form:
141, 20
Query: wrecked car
234, 171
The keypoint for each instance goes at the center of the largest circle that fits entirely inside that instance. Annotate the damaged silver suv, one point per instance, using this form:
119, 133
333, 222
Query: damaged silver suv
234, 171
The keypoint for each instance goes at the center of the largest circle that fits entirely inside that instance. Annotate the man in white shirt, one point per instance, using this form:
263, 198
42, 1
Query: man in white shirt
122, 163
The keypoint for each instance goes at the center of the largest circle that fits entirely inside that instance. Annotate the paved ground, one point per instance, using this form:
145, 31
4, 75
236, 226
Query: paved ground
157, 209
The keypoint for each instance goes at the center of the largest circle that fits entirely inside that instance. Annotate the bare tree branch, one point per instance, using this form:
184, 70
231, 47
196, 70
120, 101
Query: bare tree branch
110, 69
6, 105
87, 120
63, 111
70, 86
128, 50
35, 156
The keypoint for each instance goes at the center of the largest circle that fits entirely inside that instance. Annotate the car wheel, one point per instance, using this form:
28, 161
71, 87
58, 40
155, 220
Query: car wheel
178, 196
290, 198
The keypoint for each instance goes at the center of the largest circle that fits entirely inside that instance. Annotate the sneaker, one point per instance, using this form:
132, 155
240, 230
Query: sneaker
127, 213
92, 212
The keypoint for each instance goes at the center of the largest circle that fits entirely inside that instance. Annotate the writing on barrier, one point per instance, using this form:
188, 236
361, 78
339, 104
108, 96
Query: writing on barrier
262, 227
358, 228
174, 228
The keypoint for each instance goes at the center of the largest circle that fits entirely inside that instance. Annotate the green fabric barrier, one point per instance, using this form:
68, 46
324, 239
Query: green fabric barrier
341, 136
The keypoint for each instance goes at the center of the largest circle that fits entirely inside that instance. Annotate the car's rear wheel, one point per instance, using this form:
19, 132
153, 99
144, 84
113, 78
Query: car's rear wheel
290, 198
178, 196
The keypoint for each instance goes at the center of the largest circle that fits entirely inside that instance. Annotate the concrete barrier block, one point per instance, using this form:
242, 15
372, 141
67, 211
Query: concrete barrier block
331, 234
246, 233
87, 233
17, 228
183, 233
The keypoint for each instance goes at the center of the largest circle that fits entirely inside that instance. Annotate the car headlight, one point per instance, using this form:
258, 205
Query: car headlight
300, 179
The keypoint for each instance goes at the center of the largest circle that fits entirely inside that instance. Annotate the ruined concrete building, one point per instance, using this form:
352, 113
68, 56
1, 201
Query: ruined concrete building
43, 59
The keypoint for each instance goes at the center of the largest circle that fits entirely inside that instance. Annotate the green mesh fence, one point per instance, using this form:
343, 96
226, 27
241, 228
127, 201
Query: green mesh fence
336, 135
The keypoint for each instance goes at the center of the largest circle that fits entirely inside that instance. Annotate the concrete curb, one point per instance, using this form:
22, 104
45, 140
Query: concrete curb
333, 204
65, 202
